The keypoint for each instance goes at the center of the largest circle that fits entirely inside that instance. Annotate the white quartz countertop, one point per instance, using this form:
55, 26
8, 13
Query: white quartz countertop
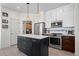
68, 35
33, 36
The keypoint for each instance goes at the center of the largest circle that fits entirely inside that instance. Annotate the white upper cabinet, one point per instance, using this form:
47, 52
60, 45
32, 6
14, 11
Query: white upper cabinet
54, 15
59, 13
68, 20
48, 17
64, 14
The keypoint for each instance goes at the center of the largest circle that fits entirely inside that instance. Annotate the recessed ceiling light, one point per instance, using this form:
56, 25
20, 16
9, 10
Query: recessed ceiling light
18, 7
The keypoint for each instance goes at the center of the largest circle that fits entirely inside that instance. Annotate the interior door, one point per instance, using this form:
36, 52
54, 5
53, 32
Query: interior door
14, 30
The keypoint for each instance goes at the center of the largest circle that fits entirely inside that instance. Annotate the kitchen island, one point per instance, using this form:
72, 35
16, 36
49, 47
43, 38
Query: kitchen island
33, 45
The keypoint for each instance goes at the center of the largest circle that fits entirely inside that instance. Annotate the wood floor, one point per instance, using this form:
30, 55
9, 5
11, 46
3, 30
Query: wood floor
57, 52
13, 51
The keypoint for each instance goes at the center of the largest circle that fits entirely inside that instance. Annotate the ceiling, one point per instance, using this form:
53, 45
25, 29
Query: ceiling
22, 7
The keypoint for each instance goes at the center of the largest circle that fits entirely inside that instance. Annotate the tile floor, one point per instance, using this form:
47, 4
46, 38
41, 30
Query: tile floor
13, 51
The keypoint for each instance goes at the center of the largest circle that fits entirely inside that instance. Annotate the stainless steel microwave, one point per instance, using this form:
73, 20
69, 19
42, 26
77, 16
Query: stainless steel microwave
56, 24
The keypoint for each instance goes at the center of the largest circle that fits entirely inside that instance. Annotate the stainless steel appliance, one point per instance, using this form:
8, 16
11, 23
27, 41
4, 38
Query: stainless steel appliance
55, 40
39, 28
56, 24
71, 32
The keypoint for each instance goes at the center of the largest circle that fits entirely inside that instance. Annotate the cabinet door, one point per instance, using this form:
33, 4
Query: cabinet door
48, 18
27, 46
35, 47
19, 42
68, 43
59, 14
26, 43
51, 16
68, 16
54, 15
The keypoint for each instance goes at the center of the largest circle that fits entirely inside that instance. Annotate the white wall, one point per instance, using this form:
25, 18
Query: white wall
0, 26
76, 20
5, 33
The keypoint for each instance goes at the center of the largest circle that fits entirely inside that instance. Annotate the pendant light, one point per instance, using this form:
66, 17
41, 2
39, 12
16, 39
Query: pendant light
28, 18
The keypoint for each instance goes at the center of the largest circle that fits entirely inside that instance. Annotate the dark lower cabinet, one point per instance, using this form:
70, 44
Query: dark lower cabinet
33, 47
68, 43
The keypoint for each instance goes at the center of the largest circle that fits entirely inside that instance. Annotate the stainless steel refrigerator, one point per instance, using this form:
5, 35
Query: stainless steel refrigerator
39, 28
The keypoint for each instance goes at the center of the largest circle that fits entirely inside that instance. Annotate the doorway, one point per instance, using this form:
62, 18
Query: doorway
27, 27
14, 30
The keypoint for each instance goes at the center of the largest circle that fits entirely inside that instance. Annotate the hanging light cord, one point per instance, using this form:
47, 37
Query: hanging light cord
27, 9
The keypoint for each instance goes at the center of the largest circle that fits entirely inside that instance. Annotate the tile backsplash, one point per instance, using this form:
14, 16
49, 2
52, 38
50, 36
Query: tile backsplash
63, 30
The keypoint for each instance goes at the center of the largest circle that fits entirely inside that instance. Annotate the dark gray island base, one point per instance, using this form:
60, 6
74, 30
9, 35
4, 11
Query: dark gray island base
32, 46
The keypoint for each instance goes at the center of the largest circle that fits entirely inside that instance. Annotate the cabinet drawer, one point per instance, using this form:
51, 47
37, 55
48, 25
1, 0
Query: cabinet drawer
65, 37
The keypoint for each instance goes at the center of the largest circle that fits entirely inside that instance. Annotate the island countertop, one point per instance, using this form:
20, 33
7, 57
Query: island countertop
33, 36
